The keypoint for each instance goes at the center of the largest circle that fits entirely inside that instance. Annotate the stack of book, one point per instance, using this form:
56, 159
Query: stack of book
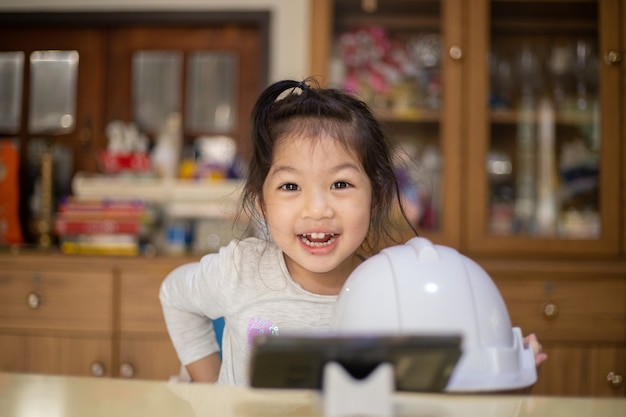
101, 226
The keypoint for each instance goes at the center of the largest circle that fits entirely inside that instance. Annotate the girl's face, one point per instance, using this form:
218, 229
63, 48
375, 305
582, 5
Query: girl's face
317, 207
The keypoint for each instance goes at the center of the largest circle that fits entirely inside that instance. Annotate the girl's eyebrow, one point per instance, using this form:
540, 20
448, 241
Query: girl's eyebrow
291, 169
347, 166
280, 168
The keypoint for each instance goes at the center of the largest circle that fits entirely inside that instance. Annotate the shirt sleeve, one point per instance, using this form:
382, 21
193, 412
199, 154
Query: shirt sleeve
189, 326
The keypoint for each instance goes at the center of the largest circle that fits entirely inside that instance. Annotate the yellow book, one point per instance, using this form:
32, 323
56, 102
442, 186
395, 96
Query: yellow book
100, 248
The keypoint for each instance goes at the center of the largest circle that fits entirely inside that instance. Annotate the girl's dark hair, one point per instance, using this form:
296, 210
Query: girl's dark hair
303, 109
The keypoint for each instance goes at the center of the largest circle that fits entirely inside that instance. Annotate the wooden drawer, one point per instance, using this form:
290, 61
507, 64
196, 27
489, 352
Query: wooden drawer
140, 308
44, 354
49, 299
148, 358
565, 309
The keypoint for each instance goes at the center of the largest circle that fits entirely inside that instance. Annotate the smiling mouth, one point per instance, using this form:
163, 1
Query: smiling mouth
317, 240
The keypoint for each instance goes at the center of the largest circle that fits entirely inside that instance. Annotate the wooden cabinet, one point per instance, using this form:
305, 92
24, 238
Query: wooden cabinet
419, 106
509, 110
55, 318
84, 316
145, 348
84, 138
200, 70
578, 311
55, 353
522, 103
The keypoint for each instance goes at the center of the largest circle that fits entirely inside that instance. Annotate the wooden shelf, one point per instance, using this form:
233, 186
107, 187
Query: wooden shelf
570, 118
411, 116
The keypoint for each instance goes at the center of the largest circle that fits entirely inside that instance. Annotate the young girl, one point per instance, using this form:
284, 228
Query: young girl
321, 182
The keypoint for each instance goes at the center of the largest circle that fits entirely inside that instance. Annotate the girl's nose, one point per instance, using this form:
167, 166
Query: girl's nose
317, 205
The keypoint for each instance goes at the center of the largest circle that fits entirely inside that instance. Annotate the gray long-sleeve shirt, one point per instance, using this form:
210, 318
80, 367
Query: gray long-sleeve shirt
248, 284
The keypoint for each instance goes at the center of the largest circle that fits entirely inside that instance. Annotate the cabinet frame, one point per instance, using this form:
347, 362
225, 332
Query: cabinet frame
476, 239
577, 363
449, 117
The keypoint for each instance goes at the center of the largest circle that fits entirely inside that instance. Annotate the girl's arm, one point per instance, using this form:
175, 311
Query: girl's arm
183, 295
206, 369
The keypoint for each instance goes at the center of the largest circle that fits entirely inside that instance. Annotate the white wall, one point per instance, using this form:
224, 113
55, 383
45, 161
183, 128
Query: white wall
289, 22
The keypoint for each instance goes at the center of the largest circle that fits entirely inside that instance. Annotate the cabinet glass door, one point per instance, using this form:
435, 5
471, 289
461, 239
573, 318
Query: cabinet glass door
207, 77
403, 59
547, 168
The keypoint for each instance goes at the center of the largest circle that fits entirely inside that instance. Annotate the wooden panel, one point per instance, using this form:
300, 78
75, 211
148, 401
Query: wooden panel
140, 308
149, 358
71, 299
563, 373
581, 370
54, 355
590, 297
602, 361
476, 86
587, 310
452, 129
320, 39
623, 127
86, 138
244, 40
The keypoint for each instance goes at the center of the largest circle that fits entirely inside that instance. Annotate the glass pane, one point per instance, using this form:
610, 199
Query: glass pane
397, 74
156, 87
390, 55
543, 162
211, 92
11, 76
53, 87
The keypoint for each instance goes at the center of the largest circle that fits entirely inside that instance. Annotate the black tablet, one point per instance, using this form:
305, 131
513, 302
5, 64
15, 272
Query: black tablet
421, 363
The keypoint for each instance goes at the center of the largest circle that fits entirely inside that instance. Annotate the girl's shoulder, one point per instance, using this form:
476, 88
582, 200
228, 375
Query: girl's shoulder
252, 251
254, 261
251, 246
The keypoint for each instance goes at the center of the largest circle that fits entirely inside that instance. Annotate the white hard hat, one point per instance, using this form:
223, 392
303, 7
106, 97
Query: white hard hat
422, 288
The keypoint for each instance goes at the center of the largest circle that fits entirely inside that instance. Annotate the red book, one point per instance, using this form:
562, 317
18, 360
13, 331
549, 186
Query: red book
64, 226
99, 205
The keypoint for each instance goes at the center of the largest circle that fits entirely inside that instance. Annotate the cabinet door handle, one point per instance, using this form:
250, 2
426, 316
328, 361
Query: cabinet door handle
615, 380
33, 300
97, 369
550, 310
613, 57
127, 370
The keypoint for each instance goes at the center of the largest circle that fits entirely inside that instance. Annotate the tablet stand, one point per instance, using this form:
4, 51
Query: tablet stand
343, 395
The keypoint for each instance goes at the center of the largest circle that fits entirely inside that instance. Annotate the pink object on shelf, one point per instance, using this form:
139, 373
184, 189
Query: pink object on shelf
112, 163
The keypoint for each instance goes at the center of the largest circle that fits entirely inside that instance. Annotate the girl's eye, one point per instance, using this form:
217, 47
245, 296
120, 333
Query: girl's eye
289, 187
340, 185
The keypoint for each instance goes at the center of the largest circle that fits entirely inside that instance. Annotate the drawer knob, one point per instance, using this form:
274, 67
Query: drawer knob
613, 57
127, 370
456, 52
550, 310
615, 380
33, 300
97, 369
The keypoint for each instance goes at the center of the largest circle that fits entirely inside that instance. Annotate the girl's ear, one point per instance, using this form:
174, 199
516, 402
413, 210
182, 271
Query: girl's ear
258, 206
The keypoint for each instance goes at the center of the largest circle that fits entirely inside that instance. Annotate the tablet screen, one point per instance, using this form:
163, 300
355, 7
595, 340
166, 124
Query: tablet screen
421, 363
